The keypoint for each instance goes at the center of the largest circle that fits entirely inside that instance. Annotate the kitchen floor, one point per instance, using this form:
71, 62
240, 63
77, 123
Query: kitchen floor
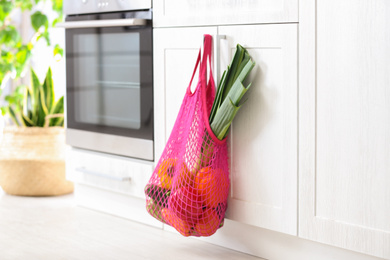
54, 228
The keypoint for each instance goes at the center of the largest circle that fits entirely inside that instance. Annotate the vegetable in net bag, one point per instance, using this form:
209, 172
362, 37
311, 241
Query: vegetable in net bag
190, 185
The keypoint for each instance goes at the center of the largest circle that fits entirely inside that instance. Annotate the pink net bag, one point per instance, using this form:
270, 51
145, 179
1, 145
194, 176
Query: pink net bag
190, 185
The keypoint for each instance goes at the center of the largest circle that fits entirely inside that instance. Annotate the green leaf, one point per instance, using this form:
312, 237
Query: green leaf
237, 92
58, 108
27, 121
57, 20
35, 86
4, 110
46, 35
245, 68
237, 59
218, 96
5, 9
13, 116
232, 70
16, 98
224, 118
9, 36
57, 5
8, 57
22, 58
30, 46
42, 103
24, 4
38, 19
48, 90
27, 107
230, 92
58, 51
42, 109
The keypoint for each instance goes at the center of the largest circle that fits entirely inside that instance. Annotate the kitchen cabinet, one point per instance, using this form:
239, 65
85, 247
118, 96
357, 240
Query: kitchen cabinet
167, 13
264, 140
344, 124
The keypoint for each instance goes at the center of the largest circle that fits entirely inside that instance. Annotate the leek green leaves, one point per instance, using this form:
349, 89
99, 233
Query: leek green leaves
230, 92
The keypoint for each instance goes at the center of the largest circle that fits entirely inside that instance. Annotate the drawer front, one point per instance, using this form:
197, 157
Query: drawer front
168, 13
113, 173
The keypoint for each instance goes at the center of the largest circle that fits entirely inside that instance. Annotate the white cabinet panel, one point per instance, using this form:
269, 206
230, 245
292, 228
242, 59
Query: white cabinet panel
264, 133
217, 12
345, 124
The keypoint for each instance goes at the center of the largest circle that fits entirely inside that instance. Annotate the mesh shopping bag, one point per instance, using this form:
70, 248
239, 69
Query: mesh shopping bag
190, 184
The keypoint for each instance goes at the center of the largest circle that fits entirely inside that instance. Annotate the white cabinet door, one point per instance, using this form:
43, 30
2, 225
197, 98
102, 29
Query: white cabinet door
345, 124
216, 12
264, 133
175, 53
264, 140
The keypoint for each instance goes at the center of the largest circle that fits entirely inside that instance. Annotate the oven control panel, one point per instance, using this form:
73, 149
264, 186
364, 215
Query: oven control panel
74, 7
102, 4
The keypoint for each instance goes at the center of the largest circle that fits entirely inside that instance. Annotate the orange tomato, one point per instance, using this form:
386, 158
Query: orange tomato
165, 172
180, 225
212, 185
208, 223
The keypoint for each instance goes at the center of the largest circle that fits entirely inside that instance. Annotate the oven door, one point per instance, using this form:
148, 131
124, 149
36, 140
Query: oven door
109, 93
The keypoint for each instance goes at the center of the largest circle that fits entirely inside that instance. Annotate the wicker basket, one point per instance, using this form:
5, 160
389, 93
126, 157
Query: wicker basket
32, 161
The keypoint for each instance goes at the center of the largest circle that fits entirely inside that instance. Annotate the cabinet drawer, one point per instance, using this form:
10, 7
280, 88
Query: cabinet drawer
113, 173
211, 12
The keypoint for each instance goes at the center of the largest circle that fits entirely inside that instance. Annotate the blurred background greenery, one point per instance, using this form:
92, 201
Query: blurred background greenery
27, 30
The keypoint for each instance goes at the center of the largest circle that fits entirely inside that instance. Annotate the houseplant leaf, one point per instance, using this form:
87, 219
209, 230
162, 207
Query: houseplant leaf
48, 90
38, 19
35, 86
42, 108
57, 109
13, 116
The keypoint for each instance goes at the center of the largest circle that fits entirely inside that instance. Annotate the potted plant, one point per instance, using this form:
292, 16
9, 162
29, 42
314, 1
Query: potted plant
32, 153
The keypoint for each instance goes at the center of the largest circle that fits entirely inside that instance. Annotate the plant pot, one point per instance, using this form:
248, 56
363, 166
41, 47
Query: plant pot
32, 161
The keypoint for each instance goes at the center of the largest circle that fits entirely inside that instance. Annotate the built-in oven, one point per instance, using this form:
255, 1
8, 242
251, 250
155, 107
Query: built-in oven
109, 74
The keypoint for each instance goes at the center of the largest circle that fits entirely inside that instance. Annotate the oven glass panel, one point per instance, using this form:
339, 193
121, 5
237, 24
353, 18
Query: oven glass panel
107, 78
110, 79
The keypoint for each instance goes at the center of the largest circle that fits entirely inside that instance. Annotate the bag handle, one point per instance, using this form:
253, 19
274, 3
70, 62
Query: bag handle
208, 92
193, 74
207, 56
207, 60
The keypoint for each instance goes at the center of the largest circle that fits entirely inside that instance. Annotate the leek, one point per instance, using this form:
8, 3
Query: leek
230, 92
226, 102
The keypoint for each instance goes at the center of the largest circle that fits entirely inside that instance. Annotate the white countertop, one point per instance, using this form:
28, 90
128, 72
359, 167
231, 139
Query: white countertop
54, 228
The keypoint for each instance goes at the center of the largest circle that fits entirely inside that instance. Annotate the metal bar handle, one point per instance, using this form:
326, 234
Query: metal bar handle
103, 23
222, 56
115, 178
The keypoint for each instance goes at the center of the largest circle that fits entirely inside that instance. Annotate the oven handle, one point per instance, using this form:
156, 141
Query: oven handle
103, 23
